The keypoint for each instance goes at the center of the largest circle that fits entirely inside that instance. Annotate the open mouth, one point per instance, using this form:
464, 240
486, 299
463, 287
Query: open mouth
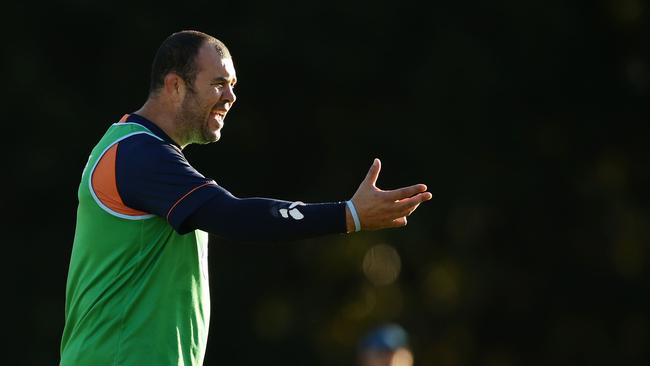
220, 113
218, 117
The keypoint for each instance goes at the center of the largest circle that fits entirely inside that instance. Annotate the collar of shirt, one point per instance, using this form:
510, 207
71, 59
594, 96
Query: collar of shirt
134, 118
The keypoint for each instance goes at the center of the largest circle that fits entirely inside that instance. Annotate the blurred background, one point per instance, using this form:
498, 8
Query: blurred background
528, 121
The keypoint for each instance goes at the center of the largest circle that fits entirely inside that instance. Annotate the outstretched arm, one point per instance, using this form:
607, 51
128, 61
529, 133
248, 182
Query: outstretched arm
265, 219
154, 177
379, 209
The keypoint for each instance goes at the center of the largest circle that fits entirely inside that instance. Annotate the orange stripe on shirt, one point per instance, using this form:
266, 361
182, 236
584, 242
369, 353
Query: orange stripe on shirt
104, 184
124, 118
182, 198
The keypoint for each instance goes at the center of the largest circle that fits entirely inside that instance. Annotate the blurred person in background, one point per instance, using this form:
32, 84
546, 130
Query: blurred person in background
137, 290
385, 345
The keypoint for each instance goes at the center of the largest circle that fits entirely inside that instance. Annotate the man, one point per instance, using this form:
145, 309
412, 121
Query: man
137, 289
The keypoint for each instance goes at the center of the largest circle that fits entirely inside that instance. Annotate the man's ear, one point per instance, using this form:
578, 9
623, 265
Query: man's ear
174, 86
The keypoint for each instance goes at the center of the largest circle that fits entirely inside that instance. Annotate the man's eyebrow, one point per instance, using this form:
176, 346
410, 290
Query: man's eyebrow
224, 79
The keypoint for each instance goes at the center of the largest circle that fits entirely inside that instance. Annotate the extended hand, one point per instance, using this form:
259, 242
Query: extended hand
379, 209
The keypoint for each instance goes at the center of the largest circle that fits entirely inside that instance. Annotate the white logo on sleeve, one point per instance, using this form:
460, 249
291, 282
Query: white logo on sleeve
293, 211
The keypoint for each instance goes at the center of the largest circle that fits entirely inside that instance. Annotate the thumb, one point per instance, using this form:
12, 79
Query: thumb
373, 172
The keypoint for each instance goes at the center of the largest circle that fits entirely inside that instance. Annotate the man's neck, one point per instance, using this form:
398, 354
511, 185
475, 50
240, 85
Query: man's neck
162, 118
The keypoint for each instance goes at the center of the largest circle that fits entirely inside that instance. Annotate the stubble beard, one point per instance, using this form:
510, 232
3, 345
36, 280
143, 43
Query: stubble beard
193, 121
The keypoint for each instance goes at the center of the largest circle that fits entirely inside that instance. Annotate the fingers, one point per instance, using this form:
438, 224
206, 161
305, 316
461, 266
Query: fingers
399, 222
400, 210
378, 209
373, 172
406, 206
401, 193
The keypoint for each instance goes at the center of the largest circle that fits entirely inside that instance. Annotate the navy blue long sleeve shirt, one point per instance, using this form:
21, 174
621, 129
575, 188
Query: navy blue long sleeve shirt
152, 175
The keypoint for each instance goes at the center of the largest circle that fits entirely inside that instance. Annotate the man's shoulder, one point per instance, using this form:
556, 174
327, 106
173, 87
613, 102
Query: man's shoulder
143, 154
149, 146
129, 130
119, 132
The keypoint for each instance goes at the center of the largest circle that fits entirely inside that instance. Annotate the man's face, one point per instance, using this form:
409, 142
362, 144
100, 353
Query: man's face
208, 99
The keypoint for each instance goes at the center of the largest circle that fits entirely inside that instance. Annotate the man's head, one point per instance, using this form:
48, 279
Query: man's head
194, 74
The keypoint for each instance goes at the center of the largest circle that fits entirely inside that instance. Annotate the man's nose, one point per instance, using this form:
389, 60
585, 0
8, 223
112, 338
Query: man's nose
229, 95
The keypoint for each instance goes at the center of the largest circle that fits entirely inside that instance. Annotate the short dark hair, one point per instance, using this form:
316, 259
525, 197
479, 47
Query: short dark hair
178, 54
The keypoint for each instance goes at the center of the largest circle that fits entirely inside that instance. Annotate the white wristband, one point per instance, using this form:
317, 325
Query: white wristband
355, 217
